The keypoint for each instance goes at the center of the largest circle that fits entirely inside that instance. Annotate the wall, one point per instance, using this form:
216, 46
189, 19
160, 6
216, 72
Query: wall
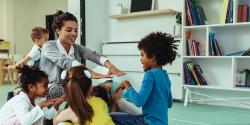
96, 25
6, 22
74, 8
133, 29
30, 13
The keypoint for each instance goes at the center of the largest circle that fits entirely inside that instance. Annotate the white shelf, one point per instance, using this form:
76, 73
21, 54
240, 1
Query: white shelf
216, 87
144, 14
232, 37
207, 57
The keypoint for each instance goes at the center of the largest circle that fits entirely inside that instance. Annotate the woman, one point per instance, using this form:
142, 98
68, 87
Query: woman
64, 53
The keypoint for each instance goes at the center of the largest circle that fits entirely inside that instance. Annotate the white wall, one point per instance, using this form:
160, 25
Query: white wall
6, 22
30, 13
74, 8
97, 28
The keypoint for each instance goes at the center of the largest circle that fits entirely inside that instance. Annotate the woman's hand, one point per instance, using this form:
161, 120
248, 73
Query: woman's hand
99, 76
113, 69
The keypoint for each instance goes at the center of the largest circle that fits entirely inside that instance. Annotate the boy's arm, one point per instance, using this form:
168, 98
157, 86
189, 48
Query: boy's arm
21, 62
170, 100
139, 98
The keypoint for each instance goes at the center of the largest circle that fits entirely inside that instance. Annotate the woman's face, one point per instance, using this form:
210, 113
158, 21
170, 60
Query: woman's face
68, 33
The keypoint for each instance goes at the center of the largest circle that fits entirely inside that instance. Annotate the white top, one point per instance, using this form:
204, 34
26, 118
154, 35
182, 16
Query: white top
27, 114
72, 56
34, 54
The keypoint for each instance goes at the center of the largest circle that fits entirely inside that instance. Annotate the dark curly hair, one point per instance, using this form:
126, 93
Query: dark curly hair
159, 45
60, 17
30, 75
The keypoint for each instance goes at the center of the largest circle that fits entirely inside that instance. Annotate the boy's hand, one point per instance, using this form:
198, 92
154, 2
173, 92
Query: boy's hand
59, 102
46, 103
126, 84
11, 68
117, 95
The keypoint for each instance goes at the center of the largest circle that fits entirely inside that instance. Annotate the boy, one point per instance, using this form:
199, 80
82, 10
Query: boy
39, 36
157, 49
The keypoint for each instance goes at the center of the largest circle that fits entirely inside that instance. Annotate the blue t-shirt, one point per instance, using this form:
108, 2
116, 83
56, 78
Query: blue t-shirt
154, 96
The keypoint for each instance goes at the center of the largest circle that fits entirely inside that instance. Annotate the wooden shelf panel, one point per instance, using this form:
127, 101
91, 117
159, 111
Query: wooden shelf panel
144, 14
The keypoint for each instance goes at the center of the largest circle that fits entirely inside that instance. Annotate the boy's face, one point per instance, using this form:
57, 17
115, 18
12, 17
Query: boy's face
41, 88
43, 40
146, 61
68, 33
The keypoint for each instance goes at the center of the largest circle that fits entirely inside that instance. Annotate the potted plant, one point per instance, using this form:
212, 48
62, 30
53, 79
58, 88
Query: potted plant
178, 25
119, 7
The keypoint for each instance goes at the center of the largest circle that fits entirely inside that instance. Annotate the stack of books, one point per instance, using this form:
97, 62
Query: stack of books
193, 74
227, 12
214, 47
195, 14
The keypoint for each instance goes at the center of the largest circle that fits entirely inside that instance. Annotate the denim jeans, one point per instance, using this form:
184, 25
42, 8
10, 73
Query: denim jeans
121, 118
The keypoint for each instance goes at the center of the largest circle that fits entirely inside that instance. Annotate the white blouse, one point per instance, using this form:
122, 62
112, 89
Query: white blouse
27, 114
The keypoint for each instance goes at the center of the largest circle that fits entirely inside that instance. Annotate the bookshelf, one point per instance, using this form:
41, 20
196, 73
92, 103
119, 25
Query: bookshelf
221, 72
144, 14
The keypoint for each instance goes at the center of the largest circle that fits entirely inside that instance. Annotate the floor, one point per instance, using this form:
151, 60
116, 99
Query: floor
193, 114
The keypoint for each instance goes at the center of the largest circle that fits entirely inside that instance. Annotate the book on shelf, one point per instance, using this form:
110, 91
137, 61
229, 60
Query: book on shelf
193, 74
214, 47
243, 78
227, 12
238, 53
246, 53
243, 13
195, 14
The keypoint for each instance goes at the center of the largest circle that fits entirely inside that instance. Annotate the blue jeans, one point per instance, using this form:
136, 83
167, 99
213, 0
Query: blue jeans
121, 118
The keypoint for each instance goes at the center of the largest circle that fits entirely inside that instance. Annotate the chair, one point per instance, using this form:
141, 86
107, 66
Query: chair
15, 58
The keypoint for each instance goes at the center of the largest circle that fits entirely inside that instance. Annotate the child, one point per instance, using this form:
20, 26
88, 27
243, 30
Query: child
116, 102
84, 109
157, 49
39, 36
21, 109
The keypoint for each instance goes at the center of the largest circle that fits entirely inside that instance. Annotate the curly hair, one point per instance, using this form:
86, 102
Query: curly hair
30, 75
60, 17
159, 45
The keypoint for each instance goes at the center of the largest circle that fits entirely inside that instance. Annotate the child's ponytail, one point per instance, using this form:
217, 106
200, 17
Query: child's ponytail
77, 88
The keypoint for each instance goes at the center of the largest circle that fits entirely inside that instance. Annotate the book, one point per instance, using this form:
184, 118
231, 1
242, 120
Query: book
246, 53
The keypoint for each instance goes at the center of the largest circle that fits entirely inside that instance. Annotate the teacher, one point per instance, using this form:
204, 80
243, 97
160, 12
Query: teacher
64, 53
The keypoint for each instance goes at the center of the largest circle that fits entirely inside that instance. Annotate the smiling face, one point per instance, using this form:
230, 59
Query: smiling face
40, 89
146, 61
68, 32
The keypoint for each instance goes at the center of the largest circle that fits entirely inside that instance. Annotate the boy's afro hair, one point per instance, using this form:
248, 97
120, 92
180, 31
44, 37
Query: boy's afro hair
160, 45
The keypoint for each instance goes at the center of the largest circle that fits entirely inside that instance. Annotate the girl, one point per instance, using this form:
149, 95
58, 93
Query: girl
84, 109
21, 109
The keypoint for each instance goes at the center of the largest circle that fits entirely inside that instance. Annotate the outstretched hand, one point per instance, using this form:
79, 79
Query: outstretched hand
59, 102
100, 76
47, 103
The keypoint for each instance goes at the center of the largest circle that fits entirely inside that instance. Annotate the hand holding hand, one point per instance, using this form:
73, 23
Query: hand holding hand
46, 103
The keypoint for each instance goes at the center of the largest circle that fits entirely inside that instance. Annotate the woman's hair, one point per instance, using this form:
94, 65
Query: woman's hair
77, 88
159, 45
100, 91
38, 32
30, 75
60, 17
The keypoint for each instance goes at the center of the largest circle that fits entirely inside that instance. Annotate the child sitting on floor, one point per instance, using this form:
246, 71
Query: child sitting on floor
22, 109
83, 109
